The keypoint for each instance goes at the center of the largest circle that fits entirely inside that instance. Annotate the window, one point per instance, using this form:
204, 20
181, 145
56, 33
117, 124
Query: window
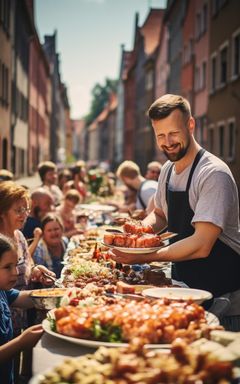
231, 140
5, 14
217, 5
4, 84
198, 25
221, 141
201, 22
211, 139
204, 74
214, 74
236, 55
205, 16
223, 65
197, 79
149, 80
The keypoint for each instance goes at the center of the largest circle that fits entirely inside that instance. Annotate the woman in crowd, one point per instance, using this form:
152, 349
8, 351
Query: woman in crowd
14, 208
52, 247
63, 177
10, 346
79, 179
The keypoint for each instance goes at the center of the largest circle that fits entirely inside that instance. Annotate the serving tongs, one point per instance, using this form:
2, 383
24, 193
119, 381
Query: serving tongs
52, 278
130, 296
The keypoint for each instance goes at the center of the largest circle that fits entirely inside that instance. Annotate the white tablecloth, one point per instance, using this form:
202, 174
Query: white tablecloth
50, 351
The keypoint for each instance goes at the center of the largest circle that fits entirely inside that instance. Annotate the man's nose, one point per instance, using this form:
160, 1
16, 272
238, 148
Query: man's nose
167, 141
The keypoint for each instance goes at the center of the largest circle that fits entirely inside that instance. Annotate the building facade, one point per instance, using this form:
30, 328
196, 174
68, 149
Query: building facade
6, 35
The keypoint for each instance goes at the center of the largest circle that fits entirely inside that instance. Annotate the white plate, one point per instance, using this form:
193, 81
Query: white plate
197, 295
134, 250
93, 343
165, 241
211, 320
97, 207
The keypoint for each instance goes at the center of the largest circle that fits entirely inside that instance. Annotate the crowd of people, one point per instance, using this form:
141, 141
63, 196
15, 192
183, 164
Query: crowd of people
35, 228
192, 194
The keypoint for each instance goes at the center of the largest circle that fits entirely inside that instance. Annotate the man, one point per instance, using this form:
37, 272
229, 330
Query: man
129, 173
197, 198
48, 173
153, 170
41, 204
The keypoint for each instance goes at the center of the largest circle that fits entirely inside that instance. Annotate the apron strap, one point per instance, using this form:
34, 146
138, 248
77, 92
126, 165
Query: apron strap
167, 180
195, 163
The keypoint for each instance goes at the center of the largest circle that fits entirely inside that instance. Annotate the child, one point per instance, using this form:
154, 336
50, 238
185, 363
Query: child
67, 213
12, 297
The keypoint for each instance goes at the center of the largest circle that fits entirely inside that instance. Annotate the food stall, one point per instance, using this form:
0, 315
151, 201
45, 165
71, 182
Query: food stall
127, 324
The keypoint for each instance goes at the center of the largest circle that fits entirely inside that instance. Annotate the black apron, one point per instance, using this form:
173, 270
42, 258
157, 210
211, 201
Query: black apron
217, 273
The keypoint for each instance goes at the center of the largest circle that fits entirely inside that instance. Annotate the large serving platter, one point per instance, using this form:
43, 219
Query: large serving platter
92, 343
134, 250
97, 207
211, 320
173, 293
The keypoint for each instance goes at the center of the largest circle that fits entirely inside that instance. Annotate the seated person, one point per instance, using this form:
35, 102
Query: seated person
153, 170
129, 173
79, 180
41, 204
67, 213
48, 173
52, 246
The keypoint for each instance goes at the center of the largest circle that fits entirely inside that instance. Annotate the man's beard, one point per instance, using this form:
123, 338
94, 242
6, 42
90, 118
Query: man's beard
179, 155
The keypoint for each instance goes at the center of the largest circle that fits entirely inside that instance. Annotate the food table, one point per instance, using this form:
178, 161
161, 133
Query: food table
50, 350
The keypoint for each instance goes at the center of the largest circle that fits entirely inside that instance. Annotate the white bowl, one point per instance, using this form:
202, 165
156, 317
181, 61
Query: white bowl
197, 295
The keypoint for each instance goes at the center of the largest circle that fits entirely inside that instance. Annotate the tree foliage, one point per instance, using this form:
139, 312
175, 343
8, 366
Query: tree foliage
100, 96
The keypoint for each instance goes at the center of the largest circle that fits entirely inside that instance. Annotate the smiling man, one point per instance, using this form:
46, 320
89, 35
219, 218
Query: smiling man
197, 198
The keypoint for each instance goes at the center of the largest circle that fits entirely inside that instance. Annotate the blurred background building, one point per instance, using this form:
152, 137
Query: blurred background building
191, 47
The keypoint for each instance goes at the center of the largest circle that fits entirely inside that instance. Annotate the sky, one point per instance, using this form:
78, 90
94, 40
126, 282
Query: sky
89, 38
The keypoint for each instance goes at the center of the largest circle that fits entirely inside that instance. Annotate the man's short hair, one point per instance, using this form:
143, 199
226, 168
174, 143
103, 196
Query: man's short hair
44, 167
39, 193
128, 169
166, 104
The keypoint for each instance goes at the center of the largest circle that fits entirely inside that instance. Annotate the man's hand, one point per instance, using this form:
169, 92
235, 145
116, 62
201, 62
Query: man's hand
130, 258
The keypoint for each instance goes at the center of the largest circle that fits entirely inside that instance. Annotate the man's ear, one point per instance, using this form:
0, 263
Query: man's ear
191, 125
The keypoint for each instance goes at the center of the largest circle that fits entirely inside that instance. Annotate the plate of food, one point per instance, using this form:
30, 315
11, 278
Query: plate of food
204, 361
174, 293
114, 323
97, 207
134, 250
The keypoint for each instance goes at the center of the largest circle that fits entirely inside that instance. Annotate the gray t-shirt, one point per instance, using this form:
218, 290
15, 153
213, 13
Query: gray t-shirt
213, 195
148, 188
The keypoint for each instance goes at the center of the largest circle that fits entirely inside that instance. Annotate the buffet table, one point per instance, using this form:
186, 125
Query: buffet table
50, 351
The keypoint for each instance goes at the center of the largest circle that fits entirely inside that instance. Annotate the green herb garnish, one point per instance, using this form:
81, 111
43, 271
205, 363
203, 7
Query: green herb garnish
107, 332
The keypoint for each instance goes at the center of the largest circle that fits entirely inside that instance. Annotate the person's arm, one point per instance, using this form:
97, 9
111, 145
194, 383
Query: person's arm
23, 300
197, 246
26, 340
37, 233
156, 219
